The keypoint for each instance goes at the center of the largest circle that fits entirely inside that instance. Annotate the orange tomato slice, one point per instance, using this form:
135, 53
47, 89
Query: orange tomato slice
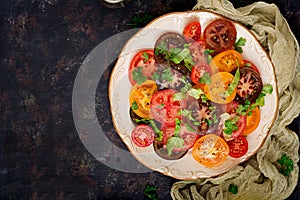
210, 150
252, 121
227, 61
216, 90
140, 98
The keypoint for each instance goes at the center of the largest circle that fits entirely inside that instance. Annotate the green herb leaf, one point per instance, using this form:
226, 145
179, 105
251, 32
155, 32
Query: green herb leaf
174, 142
267, 89
233, 189
230, 125
196, 93
167, 75
239, 44
205, 79
234, 83
146, 57
150, 192
138, 76
155, 76
177, 128
134, 106
286, 165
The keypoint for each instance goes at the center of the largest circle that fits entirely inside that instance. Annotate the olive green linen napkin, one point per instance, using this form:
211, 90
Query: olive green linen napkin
258, 178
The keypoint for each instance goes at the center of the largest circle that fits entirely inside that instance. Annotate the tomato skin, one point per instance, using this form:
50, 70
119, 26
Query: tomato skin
252, 121
248, 63
197, 50
164, 108
198, 71
210, 150
227, 61
238, 147
241, 124
142, 135
192, 32
148, 64
220, 35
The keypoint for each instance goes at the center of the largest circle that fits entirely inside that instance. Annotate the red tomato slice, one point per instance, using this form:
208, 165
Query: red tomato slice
197, 50
238, 147
220, 35
142, 135
164, 108
198, 71
144, 59
192, 32
248, 63
241, 124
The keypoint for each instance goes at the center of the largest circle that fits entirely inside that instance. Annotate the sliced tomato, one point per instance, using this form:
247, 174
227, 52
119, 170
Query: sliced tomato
164, 108
197, 50
215, 91
250, 64
249, 86
198, 71
145, 60
140, 97
238, 147
252, 121
142, 135
241, 124
227, 61
210, 150
192, 32
220, 35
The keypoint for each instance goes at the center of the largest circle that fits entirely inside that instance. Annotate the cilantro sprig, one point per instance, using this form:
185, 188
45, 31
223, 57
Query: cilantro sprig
150, 192
138, 76
239, 44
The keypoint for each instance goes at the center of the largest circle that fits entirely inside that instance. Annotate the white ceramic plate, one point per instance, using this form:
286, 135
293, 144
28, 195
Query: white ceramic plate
119, 88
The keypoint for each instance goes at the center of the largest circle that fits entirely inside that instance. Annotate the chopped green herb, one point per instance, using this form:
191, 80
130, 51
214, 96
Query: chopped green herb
230, 125
207, 53
205, 78
233, 189
134, 106
196, 93
155, 76
267, 89
286, 165
167, 75
146, 57
239, 44
174, 142
178, 96
177, 128
234, 83
150, 192
138, 76
140, 20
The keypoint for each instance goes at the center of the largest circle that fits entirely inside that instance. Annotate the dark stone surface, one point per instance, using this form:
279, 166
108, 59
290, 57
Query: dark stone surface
42, 45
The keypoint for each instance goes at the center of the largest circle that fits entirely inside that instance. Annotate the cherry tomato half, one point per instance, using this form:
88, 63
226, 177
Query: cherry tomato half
238, 147
210, 150
142, 135
198, 71
164, 108
145, 60
220, 35
227, 61
192, 32
140, 96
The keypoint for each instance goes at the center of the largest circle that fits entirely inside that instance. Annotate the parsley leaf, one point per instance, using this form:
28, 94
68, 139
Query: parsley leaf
233, 189
134, 106
167, 75
138, 76
239, 44
286, 165
150, 192
230, 125
145, 56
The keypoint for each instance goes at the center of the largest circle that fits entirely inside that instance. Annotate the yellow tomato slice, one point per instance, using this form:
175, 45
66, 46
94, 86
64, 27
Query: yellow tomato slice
216, 90
140, 97
210, 150
252, 121
227, 61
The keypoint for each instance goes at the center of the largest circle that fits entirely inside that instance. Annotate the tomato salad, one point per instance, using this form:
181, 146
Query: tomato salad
194, 90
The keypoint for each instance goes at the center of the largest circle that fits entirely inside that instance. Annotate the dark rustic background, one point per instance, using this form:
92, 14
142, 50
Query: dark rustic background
42, 45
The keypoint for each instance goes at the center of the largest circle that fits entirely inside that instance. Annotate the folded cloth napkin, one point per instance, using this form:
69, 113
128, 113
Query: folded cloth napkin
258, 178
